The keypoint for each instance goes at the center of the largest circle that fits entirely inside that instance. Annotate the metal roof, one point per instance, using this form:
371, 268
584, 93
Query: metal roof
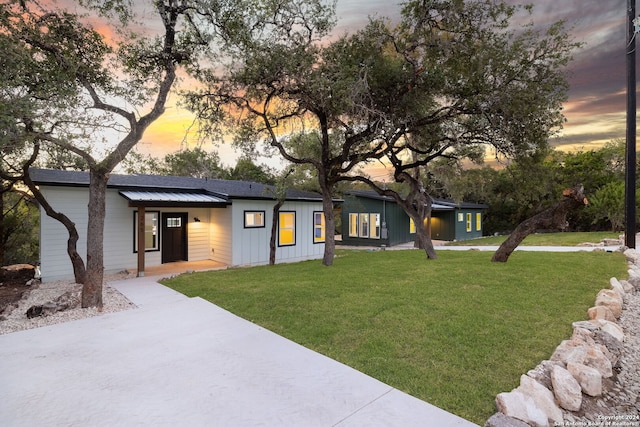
168, 198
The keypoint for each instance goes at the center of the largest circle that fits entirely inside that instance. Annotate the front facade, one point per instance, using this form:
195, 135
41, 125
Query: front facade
369, 219
178, 219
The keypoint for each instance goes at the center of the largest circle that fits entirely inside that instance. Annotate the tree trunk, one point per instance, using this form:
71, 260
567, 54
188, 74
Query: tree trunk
330, 226
423, 237
274, 232
92, 287
553, 218
79, 270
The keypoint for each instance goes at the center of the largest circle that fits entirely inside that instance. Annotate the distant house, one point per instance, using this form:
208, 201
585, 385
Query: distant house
184, 218
369, 219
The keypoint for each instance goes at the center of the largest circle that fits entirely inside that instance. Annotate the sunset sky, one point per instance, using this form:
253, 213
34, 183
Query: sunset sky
595, 111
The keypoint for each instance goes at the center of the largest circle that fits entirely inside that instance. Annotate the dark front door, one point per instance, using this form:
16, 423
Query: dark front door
174, 237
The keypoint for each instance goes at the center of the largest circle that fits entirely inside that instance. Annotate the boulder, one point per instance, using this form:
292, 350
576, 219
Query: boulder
566, 389
501, 420
583, 335
632, 255
613, 345
589, 378
15, 273
634, 278
601, 312
610, 299
596, 359
542, 372
66, 301
542, 396
617, 287
518, 405
570, 351
612, 328
628, 287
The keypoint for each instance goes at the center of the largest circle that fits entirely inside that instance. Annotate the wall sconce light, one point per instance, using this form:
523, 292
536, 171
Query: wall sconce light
196, 219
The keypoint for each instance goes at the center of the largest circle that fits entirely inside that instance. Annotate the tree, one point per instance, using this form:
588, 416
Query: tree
78, 85
196, 162
554, 217
468, 82
246, 170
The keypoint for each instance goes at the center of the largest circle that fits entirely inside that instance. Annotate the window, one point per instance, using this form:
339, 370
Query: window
253, 219
478, 221
412, 226
364, 225
174, 222
460, 217
287, 229
374, 231
353, 225
319, 227
151, 237
468, 222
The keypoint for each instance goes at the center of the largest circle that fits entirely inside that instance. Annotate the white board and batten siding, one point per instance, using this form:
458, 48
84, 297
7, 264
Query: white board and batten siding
73, 202
251, 245
220, 235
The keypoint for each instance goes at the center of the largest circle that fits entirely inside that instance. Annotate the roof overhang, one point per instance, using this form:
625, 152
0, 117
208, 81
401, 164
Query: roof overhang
172, 199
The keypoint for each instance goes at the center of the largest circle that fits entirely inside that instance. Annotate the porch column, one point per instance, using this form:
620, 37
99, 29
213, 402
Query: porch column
141, 240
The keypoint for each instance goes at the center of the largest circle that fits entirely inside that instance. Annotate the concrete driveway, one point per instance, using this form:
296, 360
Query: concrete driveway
178, 361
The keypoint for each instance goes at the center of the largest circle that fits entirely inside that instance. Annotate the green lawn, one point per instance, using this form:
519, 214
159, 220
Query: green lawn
543, 239
454, 331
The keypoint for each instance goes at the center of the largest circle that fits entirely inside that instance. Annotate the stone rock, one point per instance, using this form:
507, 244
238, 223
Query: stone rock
542, 372
542, 396
628, 287
612, 344
612, 242
66, 301
501, 420
632, 255
17, 273
589, 325
566, 389
596, 359
517, 405
589, 378
570, 351
601, 312
583, 335
612, 328
634, 278
617, 287
610, 299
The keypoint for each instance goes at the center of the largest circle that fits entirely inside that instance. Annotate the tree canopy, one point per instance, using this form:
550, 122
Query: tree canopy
449, 80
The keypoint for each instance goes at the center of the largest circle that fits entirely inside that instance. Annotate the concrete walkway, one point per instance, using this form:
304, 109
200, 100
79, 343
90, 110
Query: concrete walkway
178, 361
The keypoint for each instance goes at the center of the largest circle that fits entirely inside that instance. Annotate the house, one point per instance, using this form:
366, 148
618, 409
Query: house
178, 218
369, 219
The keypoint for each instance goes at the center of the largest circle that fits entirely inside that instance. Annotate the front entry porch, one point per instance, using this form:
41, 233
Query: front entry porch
180, 267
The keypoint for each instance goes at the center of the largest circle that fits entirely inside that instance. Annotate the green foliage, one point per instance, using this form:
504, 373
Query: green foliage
20, 230
439, 330
194, 162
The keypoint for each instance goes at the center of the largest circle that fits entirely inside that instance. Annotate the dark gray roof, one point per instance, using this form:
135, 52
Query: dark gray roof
225, 189
438, 204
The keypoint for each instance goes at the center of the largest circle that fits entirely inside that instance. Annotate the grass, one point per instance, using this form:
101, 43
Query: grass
543, 239
454, 331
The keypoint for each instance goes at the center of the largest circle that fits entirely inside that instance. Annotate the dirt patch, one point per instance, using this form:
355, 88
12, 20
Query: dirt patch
15, 283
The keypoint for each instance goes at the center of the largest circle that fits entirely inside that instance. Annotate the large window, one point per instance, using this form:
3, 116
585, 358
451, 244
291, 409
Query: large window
353, 225
151, 235
365, 225
469, 222
253, 219
374, 225
287, 229
319, 227
478, 221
